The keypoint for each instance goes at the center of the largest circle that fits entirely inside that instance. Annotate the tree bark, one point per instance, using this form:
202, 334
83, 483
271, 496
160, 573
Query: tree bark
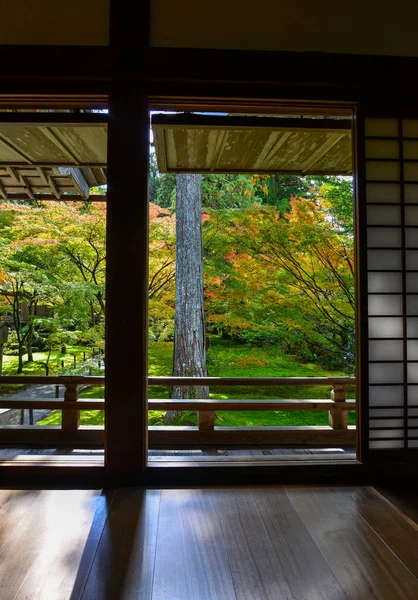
31, 331
18, 328
189, 358
20, 360
4, 334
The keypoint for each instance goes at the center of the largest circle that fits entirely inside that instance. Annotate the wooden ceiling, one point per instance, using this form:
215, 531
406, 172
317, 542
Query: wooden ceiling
192, 143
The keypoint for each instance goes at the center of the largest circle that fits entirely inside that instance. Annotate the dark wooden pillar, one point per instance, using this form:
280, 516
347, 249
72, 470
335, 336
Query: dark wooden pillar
127, 243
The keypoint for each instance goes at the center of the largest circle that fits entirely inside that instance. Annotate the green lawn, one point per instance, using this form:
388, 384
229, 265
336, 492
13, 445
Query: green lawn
235, 361
37, 367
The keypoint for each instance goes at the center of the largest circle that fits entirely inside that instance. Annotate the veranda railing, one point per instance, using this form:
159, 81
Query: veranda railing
72, 434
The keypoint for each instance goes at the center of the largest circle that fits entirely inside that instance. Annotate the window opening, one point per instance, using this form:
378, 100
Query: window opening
264, 289
52, 274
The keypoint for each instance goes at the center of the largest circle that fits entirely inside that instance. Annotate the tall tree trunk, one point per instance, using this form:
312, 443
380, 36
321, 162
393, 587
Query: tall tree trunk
18, 328
4, 334
189, 328
31, 331
20, 359
29, 348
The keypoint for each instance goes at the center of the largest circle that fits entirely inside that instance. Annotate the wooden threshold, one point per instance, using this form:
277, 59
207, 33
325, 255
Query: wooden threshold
51, 460
177, 474
245, 459
176, 437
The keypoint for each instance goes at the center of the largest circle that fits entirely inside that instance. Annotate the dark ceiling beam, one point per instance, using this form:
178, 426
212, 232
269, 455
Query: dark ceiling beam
183, 79
40, 119
90, 63
25, 98
61, 163
181, 121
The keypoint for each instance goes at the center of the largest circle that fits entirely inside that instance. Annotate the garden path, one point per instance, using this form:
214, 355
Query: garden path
32, 392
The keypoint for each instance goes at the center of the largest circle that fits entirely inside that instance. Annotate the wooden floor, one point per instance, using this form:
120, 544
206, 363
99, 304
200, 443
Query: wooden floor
262, 543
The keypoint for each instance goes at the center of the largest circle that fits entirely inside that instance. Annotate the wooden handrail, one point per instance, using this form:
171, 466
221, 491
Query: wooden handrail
194, 405
242, 405
71, 433
185, 381
250, 381
50, 404
53, 379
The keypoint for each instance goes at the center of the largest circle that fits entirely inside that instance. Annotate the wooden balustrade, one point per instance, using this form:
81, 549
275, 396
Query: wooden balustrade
206, 433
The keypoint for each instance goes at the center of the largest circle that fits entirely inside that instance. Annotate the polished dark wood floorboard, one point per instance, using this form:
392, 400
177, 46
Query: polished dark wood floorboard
261, 543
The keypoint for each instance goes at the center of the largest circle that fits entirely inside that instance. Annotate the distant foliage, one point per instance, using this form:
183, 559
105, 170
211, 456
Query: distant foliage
286, 280
278, 265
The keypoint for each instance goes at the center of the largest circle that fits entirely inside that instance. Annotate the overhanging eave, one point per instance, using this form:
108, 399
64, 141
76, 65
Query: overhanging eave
189, 143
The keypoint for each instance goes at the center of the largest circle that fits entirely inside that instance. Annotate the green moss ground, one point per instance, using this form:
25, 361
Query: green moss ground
235, 361
37, 367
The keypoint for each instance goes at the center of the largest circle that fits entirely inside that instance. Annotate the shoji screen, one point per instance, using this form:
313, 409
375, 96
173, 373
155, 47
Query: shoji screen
391, 266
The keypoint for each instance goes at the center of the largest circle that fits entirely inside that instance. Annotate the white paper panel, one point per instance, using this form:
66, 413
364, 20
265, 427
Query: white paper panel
412, 443
412, 373
413, 423
386, 422
386, 349
411, 193
411, 171
387, 327
384, 171
412, 283
412, 327
383, 149
409, 128
412, 350
386, 445
385, 395
385, 305
386, 412
413, 412
383, 215
411, 215
384, 260
410, 150
386, 373
387, 433
412, 305
412, 395
411, 260
385, 192
387, 282
387, 368
382, 127
411, 237
384, 237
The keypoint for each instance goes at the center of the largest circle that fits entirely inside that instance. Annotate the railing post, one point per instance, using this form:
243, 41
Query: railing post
338, 419
70, 417
206, 419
